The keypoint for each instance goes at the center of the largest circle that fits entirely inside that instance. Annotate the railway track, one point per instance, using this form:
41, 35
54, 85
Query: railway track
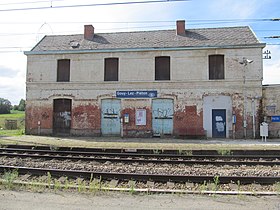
143, 159
268, 160
141, 177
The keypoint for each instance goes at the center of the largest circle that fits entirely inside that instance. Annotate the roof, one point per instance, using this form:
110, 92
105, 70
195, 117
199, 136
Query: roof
160, 39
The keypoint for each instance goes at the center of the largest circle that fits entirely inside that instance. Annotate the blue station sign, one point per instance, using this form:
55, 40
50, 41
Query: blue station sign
137, 94
275, 118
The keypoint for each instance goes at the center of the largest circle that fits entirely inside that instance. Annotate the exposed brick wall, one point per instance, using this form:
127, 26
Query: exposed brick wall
188, 122
86, 120
131, 129
35, 114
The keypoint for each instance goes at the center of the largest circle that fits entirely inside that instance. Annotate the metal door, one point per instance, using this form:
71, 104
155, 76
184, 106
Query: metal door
218, 123
62, 116
110, 117
162, 116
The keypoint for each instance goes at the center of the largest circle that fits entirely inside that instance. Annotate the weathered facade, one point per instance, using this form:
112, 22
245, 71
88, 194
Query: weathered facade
271, 109
183, 83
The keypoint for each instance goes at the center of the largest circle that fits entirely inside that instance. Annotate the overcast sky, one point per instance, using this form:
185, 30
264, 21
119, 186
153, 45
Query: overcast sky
21, 29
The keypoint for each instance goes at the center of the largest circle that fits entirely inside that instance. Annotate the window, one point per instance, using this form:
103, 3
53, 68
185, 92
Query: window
63, 70
162, 68
111, 71
216, 67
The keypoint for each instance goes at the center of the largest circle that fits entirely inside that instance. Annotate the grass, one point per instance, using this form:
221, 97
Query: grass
15, 115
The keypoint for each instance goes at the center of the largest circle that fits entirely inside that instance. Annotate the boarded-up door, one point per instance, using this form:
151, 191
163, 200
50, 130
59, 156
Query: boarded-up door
162, 116
62, 116
110, 117
218, 123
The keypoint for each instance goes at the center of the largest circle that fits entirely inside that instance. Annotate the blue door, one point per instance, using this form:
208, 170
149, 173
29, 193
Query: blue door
219, 123
110, 117
162, 116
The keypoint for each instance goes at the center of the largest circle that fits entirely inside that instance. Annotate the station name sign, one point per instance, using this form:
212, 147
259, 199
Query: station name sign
275, 119
137, 94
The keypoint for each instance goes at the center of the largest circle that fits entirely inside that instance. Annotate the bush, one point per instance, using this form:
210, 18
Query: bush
5, 106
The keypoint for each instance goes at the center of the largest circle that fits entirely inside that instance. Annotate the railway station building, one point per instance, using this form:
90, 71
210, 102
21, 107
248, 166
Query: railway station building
186, 83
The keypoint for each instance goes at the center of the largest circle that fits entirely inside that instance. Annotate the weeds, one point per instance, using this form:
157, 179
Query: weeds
185, 152
49, 179
9, 177
203, 187
277, 187
156, 151
54, 148
216, 182
224, 152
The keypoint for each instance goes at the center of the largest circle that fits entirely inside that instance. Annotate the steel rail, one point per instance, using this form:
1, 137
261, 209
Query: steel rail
158, 161
137, 155
141, 177
262, 152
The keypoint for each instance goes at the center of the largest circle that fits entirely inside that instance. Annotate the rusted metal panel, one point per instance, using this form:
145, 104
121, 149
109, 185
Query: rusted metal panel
162, 68
62, 116
216, 67
111, 72
63, 70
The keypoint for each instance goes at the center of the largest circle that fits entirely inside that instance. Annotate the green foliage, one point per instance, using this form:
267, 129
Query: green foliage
5, 106
224, 152
9, 177
14, 115
216, 181
21, 106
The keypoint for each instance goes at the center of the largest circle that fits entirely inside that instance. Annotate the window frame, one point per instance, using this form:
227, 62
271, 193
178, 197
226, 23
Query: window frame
216, 70
110, 68
162, 68
63, 70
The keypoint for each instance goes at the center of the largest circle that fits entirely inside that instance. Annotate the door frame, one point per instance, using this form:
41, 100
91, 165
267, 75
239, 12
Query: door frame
65, 115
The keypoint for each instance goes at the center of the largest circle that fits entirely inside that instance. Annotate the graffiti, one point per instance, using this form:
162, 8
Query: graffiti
220, 125
110, 113
163, 113
66, 117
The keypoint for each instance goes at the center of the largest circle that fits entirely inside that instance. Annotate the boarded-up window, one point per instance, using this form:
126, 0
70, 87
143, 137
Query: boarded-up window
111, 69
216, 67
63, 70
162, 68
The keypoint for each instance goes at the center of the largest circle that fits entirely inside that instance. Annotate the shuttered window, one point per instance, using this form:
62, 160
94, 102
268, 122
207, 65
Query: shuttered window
63, 70
162, 68
216, 67
111, 69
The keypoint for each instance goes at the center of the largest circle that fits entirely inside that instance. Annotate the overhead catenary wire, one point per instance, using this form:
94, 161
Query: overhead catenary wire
91, 5
29, 2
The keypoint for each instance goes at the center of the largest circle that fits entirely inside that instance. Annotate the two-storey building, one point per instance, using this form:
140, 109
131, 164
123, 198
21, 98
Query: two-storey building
182, 82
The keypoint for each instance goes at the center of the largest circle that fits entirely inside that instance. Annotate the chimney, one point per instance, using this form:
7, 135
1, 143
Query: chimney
88, 32
180, 30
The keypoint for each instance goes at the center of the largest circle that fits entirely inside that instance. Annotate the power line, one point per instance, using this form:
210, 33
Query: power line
91, 5
30, 2
152, 21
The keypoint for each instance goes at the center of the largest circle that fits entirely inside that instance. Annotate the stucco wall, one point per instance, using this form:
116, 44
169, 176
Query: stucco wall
189, 87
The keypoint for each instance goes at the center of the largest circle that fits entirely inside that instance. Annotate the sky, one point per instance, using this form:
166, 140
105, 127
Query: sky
22, 26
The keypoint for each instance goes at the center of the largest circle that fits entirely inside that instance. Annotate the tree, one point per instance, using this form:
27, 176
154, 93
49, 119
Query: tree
5, 106
21, 106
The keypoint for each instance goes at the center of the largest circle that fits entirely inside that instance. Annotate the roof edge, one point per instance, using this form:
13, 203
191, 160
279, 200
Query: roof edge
260, 45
